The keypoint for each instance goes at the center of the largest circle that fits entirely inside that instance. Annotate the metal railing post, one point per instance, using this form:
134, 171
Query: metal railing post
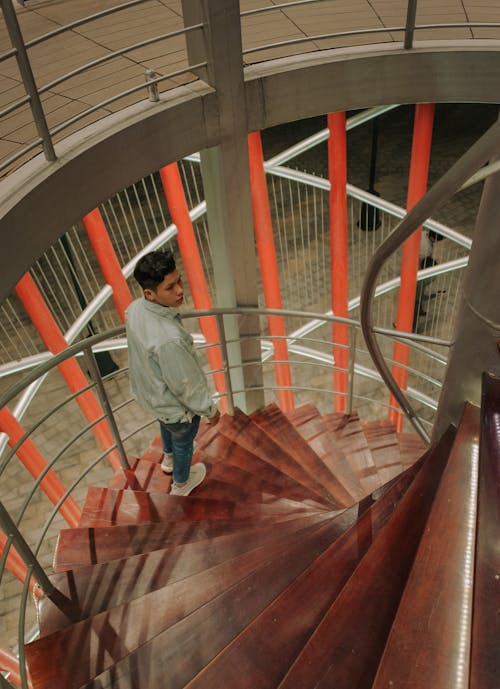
411, 14
95, 374
24, 551
227, 373
28, 78
152, 87
352, 361
4, 683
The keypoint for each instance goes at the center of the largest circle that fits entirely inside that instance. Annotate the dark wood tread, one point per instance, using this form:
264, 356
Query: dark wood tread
84, 546
108, 507
311, 425
170, 615
91, 589
277, 426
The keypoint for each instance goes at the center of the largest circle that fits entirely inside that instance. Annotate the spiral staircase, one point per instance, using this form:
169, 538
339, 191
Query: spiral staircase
319, 552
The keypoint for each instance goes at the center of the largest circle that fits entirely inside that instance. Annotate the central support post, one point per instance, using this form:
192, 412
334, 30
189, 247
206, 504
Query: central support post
226, 183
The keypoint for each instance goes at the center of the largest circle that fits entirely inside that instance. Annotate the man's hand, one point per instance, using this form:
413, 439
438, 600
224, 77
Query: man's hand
212, 420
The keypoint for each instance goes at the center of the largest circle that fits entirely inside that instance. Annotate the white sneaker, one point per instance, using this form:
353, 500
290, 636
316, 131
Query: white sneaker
167, 463
196, 476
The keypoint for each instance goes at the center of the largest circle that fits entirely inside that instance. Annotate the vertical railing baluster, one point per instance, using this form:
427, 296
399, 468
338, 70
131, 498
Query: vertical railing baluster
95, 374
411, 14
24, 551
352, 361
225, 357
28, 78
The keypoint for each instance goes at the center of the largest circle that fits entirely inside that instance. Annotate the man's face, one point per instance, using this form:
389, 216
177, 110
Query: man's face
170, 292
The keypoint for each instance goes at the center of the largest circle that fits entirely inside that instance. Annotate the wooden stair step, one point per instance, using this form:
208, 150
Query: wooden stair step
485, 659
348, 434
278, 427
90, 589
142, 475
346, 647
425, 620
311, 425
215, 489
242, 430
108, 507
411, 447
71, 656
382, 440
222, 450
243, 482
258, 658
84, 546
212, 625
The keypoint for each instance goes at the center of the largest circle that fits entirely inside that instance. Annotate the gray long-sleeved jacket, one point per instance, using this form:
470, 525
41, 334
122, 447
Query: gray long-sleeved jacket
165, 375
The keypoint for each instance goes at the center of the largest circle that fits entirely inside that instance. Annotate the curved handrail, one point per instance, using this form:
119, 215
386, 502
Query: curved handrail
477, 155
73, 350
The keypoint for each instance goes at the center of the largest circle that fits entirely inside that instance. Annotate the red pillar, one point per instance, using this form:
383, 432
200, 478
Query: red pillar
193, 267
44, 322
269, 267
35, 463
337, 167
417, 187
108, 261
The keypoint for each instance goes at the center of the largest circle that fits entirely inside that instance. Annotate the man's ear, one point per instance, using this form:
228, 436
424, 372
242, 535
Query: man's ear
149, 294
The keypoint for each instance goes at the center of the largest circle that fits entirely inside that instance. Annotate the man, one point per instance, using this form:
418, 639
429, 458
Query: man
165, 375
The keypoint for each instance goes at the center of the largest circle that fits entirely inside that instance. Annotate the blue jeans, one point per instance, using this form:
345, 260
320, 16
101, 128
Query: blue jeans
178, 438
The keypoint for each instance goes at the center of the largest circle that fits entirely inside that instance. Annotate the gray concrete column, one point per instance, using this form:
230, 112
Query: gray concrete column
226, 182
477, 327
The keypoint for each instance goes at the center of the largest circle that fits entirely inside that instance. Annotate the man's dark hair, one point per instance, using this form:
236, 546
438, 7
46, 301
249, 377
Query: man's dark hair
152, 268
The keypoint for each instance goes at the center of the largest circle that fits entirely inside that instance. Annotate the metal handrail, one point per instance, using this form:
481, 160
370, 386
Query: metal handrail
323, 37
280, 6
83, 20
20, 49
122, 94
116, 53
90, 342
445, 187
373, 30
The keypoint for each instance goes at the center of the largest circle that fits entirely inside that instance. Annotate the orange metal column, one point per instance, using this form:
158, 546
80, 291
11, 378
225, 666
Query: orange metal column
337, 167
186, 239
417, 187
269, 267
44, 322
106, 256
35, 463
